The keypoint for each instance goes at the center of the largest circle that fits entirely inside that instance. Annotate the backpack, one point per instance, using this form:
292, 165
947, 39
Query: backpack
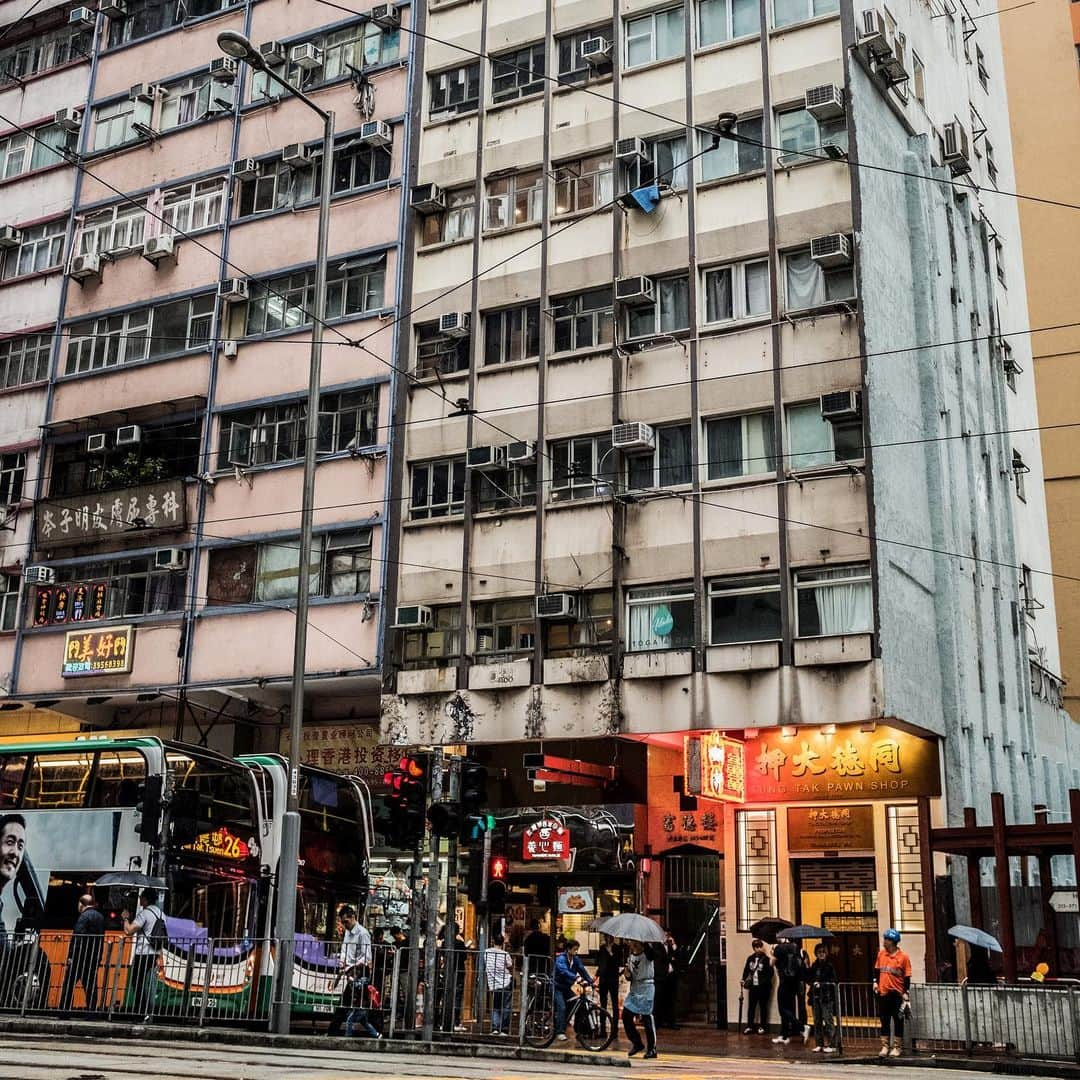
789, 962
158, 938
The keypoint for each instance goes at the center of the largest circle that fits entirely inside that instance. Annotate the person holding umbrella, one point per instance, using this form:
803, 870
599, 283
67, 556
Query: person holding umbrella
638, 1003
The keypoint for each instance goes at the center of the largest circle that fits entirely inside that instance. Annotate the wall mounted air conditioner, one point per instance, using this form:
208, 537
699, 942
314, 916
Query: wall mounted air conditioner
520, 453
825, 102
632, 149
97, 443
954, 142
454, 324
428, 199
39, 575
841, 405
170, 559
156, 248
376, 133
307, 56
245, 169
831, 250
556, 606
635, 290
485, 458
273, 52
84, 267
223, 69
128, 435
295, 155
233, 290
82, 17
385, 16
69, 119
413, 617
115, 9
596, 51
10, 236
874, 35
632, 437
143, 91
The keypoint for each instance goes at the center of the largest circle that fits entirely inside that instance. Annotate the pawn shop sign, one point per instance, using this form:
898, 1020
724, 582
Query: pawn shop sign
545, 839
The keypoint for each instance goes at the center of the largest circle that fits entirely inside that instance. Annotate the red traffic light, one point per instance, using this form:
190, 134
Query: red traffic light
412, 767
497, 870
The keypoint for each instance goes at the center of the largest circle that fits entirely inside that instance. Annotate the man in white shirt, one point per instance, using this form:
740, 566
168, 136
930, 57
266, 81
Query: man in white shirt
354, 966
143, 954
498, 969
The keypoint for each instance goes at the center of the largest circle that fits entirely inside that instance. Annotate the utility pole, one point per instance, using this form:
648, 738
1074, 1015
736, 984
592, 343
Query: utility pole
432, 913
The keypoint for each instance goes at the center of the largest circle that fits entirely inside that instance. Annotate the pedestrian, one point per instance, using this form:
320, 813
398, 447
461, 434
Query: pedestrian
354, 967
638, 1003
84, 954
498, 970
892, 980
143, 929
667, 982
787, 959
800, 994
757, 980
823, 988
537, 946
570, 974
979, 972
610, 958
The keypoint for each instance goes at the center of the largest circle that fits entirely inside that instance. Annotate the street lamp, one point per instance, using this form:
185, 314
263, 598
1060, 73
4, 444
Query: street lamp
240, 48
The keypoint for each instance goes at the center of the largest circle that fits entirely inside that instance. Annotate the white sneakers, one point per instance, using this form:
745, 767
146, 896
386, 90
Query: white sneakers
561, 1038
830, 1049
781, 1039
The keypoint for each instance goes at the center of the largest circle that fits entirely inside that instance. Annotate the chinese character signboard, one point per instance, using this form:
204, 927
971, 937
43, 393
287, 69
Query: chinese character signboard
830, 828
545, 839
221, 844
850, 763
78, 602
82, 519
98, 652
716, 767
349, 749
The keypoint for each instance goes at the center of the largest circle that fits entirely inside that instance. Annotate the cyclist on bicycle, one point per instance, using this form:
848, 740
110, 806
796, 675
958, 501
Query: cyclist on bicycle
569, 972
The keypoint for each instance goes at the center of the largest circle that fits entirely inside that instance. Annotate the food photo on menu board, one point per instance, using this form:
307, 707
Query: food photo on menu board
576, 900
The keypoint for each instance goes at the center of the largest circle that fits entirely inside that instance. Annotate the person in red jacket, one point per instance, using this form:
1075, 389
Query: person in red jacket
892, 980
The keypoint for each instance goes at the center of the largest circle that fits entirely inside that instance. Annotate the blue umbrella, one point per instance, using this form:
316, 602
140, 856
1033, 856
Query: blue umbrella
801, 933
974, 936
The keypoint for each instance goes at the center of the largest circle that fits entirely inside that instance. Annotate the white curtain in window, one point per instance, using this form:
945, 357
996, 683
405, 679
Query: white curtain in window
757, 288
642, 637
674, 303
759, 444
805, 282
842, 608
809, 437
718, 295
278, 567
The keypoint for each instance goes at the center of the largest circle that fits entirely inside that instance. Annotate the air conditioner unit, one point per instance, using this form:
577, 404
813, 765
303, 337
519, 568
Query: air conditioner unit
825, 102
39, 575
954, 141
414, 617
631, 437
245, 169
97, 443
376, 133
428, 199
128, 435
559, 605
170, 559
10, 236
273, 52
874, 35
831, 250
229, 349
596, 51
894, 68
156, 248
115, 9
520, 453
454, 324
485, 458
385, 16
223, 69
635, 290
233, 290
143, 92
295, 155
82, 17
69, 119
632, 149
841, 405
85, 266
307, 56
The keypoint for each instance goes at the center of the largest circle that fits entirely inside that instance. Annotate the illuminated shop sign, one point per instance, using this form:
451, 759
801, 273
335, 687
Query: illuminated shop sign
715, 767
98, 652
545, 839
74, 603
221, 844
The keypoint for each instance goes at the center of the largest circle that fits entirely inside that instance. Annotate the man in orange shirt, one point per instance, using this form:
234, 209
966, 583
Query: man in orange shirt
892, 979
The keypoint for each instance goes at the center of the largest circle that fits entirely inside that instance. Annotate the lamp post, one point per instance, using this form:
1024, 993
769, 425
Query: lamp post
240, 48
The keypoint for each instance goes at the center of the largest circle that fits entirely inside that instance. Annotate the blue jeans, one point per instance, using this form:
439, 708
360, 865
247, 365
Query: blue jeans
500, 1010
562, 1003
360, 1016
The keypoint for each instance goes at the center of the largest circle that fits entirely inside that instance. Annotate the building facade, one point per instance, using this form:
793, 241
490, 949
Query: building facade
719, 421
165, 432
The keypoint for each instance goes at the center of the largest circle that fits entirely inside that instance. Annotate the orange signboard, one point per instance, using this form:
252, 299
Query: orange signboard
715, 767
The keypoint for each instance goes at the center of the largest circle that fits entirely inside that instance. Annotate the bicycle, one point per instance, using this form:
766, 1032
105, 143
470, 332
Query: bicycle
593, 1025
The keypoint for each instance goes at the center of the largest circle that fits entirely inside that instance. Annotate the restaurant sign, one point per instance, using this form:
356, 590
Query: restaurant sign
84, 519
545, 839
78, 602
715, 767
98, 652
830, 828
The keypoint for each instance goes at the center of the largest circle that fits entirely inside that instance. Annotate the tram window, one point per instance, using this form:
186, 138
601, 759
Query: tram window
58, 780
11, 777
118, 778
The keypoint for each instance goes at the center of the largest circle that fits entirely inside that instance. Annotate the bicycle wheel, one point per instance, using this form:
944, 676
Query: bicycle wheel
540, 1021
595, 1027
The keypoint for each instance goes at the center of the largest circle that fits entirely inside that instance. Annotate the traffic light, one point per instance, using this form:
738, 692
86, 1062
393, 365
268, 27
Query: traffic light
403, 824
496, 889
445, 818
473, 798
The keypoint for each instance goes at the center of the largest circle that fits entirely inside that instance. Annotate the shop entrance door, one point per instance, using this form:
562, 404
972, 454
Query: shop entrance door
841, 896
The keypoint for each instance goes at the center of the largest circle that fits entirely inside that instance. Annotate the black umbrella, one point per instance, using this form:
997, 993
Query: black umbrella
130, 879
767, 929
801, 933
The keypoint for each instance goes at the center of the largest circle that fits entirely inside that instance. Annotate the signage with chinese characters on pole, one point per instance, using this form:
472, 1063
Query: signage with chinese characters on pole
715, 767
349, 749
545, 839
98, 652
851, 762
82, 519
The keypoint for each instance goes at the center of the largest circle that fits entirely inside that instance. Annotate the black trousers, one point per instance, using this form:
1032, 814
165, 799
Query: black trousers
758, 1006
86, 974
647, 1022
890, 1010
785, 1000
609, 997
142, 983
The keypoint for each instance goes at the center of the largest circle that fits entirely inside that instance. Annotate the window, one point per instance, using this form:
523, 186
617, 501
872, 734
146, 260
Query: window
145, 17
814, 441
456, 222
12, 474
656, 36
504, 629
581, 467
518, 73
514, 200
668, 315
24, 359
724, 20
512, 334
116, 229
347, 563
277, 185
592, 631
1019, 471
573, 67
744, 609
9, 600
135, 585
810, 285
670, 464
980, 67
193, 206
660, 617
1011, 367
731, 157
348, 420
999, 259
41, 247
285, 303
424, 648
455, 91
950, 32
19, 153
437, 353
918, 77
740, 445
357, 166
667, 162
787, 12
991, 163
739, 291
583, 184
43, 52
113, 124
438, 489
833, 601
799, 132
583, 320
190, 100
505, 489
